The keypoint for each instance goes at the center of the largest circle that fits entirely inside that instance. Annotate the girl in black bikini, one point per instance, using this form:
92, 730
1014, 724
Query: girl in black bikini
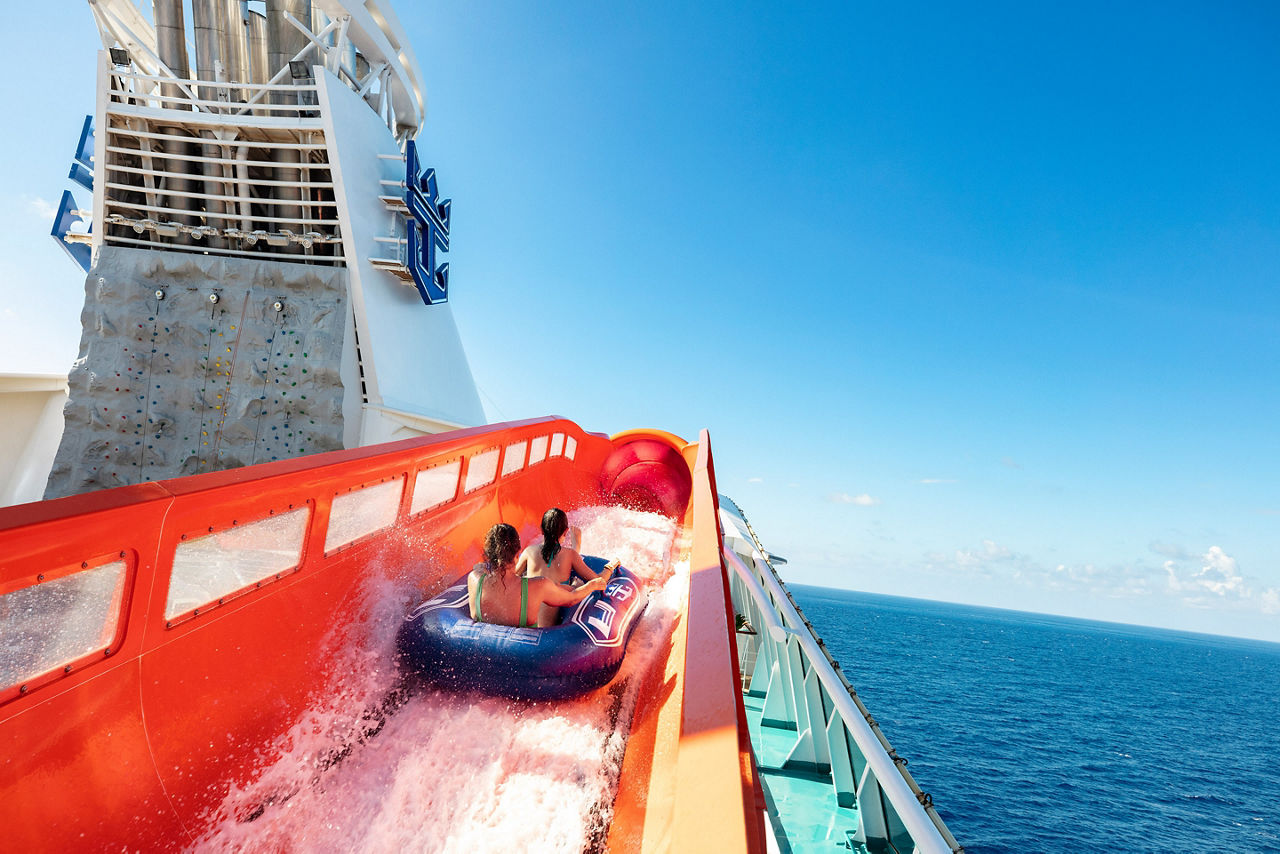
498, 595
558, 559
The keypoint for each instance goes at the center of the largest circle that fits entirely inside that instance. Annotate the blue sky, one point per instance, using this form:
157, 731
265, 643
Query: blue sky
977, 304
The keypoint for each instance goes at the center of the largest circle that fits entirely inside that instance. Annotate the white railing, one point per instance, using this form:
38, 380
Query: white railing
222, 183
834, 733
386, 74
135, 89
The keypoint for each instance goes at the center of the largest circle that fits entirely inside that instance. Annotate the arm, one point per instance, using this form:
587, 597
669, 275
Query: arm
523, 563
585, 572
473, 580
558, 596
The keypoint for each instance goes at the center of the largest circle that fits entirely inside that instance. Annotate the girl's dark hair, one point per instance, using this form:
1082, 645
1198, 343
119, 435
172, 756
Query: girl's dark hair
554, 523
501, 545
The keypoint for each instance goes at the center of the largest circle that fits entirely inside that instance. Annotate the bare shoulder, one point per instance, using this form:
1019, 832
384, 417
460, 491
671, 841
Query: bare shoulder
541, 586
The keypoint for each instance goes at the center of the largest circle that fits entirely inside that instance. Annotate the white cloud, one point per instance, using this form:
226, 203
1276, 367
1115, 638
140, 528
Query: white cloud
1170, 550
862, 500
755, 480
1208, 581
39, 207
936, 480
988, 562
995, 562
1218, 583
1218, 575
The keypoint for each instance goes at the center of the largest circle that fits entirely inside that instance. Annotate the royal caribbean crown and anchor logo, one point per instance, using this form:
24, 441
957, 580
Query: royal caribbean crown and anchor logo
428, 227
605, 618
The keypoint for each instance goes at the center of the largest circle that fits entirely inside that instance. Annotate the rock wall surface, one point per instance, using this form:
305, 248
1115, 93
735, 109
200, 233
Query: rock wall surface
170, 382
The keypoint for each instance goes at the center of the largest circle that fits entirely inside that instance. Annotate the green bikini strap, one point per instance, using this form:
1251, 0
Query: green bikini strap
524, 601
479, 588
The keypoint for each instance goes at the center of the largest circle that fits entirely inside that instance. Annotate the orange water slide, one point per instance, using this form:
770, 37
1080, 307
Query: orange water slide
133, 698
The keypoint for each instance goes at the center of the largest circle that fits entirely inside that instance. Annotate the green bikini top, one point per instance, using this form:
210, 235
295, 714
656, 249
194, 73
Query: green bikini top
524, 602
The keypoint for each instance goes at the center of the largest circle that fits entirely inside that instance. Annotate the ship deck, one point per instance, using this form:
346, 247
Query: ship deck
804, 813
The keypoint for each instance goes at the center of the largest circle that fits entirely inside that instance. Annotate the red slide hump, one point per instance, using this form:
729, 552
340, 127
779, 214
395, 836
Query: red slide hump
649, 474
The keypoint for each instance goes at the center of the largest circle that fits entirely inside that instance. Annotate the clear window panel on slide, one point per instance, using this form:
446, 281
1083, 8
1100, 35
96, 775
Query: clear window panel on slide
435, 486
361, 512
513, 459
538, 450
483, 470
209, 568
49, 624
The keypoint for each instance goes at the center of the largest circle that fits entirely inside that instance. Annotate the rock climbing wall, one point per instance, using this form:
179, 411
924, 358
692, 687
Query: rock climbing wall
194, 363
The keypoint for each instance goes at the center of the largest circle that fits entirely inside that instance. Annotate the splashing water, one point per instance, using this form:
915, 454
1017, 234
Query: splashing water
375, 767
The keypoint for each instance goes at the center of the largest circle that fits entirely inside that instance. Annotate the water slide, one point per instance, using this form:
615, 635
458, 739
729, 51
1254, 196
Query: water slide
208, 663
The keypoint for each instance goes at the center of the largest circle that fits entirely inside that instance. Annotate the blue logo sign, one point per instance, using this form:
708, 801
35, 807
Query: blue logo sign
605, 617
428, 229
68, 210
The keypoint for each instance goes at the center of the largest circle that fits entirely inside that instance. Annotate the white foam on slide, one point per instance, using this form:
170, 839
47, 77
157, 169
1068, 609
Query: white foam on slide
450, 772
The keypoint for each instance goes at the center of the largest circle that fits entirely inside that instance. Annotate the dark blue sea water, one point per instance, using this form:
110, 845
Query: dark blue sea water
1038, 733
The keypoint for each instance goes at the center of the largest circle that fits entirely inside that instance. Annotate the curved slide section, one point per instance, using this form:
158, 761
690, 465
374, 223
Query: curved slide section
157, 642
647, 471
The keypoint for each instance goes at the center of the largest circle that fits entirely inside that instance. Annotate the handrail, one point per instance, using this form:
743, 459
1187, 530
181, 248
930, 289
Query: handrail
710, 811
235, 121
255, 182
204, 105
239, 252
214, 84
134, 188
235, 215
222, 161
777, 631
252, 143
925, 835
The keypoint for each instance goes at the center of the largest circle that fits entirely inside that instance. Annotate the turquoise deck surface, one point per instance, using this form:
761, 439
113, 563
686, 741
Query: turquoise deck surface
802, 804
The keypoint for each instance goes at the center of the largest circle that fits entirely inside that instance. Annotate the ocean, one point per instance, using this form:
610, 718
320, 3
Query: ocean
1036, 733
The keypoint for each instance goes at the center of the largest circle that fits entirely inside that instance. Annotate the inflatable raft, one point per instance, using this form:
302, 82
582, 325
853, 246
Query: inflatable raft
441, 642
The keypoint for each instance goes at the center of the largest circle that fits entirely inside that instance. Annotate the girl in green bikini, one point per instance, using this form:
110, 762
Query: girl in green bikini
498, 595
558, 558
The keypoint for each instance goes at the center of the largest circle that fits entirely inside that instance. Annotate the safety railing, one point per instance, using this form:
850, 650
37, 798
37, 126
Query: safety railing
232, 99
803, 693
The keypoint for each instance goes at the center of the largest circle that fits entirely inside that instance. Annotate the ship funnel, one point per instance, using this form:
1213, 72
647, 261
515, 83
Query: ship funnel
213, 39
210, 21
283, 38
257, 23
284, 41
172, 46
236, 59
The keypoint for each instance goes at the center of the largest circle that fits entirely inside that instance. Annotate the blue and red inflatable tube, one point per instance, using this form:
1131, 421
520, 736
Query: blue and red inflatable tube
440, 642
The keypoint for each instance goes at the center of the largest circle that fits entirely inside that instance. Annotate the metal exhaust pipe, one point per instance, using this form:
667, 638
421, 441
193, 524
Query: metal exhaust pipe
237, 55
205, 19
172, 46
283, 43
209, 18
258, 47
